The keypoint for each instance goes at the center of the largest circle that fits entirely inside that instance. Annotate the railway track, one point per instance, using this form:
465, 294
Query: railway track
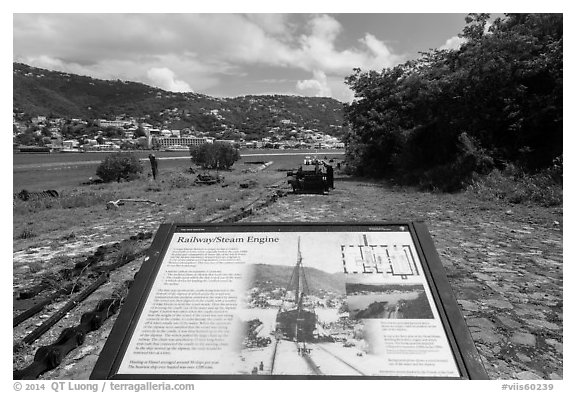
355, 371
319, 361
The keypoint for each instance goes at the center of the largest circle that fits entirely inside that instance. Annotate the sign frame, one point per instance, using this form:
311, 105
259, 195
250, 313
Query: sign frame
466, 356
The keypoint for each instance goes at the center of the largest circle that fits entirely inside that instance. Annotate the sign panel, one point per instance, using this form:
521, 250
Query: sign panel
327, 300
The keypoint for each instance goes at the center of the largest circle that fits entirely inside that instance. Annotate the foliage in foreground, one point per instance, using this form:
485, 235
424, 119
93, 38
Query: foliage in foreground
515, 186
217, 155
119, 166
440, 120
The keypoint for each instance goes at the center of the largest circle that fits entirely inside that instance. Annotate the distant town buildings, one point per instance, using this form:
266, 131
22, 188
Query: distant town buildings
132, 133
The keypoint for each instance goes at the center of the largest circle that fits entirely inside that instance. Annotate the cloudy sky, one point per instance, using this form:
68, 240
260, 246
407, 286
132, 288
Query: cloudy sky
230, 54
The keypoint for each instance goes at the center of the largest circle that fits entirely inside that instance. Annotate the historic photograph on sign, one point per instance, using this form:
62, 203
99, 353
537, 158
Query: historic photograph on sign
392, 301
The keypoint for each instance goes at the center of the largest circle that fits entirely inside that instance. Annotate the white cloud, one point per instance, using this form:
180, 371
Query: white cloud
201, 49
317, 87
322, 85
276, 24
165, 78
453, 43
318, 50
456, 42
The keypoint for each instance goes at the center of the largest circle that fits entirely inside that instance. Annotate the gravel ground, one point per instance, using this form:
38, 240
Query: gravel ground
504, 263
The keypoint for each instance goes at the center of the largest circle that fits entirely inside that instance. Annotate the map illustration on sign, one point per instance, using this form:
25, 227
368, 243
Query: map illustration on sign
389, 259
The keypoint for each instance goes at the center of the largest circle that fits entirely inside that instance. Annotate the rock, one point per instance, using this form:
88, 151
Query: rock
483, 277
521, 338
468, 305
527, 375
500, 303
486, 336
520, 231
111, 205
523, 358
480, 322
85, 350
509, 322
508, 212
556, 223
555, 376
542, 324
550, 341
557, 345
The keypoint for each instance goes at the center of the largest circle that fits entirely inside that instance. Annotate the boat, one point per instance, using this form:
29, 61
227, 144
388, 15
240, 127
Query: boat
296, 320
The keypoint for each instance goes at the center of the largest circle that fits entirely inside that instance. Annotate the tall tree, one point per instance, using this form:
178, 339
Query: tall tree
449, 114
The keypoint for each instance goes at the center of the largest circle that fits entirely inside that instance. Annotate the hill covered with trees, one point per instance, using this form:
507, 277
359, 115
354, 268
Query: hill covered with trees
270, 277
446, 118
57, 94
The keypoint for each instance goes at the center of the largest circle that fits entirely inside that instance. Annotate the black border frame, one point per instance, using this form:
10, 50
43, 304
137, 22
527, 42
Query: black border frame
465, 354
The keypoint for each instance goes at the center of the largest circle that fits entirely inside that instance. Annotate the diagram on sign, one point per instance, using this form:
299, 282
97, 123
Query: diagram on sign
389, 259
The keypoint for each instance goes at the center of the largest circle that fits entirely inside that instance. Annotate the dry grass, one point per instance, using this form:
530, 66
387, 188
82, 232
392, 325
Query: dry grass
26, 233
127, 250
178, 198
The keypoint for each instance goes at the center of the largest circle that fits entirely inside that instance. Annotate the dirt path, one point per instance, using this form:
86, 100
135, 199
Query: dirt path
504, 263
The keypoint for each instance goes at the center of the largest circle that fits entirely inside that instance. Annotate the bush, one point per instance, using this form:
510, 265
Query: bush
119, 166
218, 155
180, 180
515, 186
454, 175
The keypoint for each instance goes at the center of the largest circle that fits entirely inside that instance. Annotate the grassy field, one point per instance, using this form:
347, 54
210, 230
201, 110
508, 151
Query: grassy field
81, 208
59, 171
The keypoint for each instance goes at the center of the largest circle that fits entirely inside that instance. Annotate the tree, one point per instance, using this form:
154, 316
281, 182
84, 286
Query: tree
139, 132
119, 166
25, 138
217, 155
113, 132
437, 120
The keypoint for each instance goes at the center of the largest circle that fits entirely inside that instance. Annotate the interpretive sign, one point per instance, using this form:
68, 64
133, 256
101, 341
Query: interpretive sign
366, 300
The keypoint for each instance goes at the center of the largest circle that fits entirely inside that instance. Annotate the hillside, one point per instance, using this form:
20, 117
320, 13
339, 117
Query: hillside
49, 93
272, 276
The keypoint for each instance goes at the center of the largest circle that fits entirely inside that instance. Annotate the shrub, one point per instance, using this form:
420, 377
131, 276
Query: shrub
119, 166
515, 186
126, 252
218, 155
468, 161
180, 180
